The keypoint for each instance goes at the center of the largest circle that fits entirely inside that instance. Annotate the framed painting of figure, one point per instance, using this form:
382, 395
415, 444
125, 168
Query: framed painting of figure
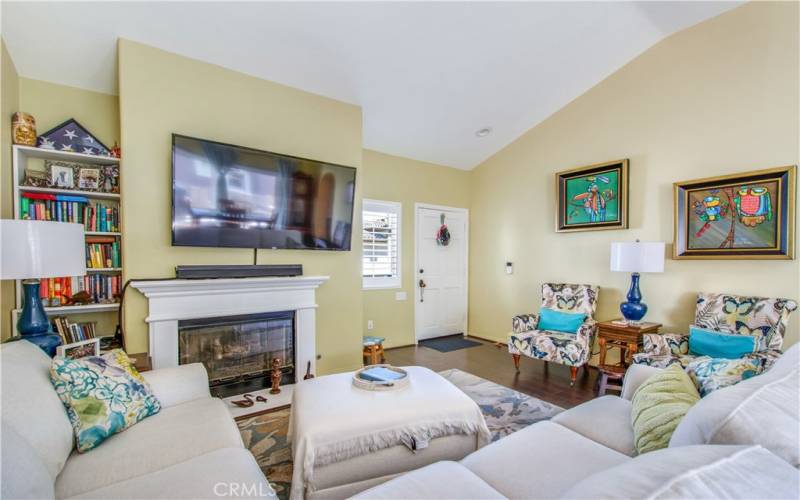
740, 216
592, 198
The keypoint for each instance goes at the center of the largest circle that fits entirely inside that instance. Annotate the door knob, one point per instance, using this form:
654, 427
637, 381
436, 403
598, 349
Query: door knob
422, 286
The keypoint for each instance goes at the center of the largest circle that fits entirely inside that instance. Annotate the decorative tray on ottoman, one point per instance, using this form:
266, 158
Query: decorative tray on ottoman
380, 378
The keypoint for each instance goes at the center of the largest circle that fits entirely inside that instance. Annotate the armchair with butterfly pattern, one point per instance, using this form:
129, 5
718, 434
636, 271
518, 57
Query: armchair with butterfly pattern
571, 349
764, 318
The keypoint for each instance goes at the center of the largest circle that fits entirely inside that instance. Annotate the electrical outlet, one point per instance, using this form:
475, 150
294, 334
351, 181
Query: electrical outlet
370, 324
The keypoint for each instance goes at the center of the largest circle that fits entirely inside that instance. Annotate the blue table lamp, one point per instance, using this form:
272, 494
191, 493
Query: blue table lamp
636, 257
30, 250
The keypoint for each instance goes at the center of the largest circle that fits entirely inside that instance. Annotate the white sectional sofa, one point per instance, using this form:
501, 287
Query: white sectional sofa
742, 441
190, 449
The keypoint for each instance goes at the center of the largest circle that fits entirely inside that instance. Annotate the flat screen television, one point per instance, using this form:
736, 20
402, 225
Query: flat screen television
232, 196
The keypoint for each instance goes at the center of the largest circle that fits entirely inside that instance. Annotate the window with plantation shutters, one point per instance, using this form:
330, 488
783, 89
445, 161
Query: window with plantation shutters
380, 222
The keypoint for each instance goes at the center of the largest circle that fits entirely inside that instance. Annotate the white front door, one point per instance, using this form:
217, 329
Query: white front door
441, 304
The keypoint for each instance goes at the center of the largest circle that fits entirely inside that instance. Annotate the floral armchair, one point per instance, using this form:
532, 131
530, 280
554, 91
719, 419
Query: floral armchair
573, 350
762, 317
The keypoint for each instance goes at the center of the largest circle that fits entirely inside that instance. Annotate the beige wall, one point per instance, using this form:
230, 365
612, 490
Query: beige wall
718, 98
391, 178
9, 104
162, 93
52, 104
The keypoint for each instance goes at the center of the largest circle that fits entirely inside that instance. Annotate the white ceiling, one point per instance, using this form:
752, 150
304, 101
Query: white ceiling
427, 75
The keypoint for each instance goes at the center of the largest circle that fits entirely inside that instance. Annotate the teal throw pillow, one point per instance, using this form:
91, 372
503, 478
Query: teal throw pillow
559, 321
704, 342
103, 395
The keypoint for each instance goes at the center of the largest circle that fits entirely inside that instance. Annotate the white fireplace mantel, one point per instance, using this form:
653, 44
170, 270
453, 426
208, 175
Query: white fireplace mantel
170, 301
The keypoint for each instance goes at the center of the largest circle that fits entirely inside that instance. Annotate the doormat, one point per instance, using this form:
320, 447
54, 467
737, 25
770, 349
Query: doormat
449, 343
504, 409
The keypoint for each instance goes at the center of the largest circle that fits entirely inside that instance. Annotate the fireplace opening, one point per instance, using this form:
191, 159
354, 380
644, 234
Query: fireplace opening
237, 351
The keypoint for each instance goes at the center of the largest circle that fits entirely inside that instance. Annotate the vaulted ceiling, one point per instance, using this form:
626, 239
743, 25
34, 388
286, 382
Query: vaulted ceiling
427, 75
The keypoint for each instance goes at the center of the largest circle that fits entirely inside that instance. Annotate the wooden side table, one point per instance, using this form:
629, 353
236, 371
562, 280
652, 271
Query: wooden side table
626, 337
141, 360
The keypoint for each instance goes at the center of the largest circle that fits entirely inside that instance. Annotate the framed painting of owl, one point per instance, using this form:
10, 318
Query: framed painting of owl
741, 216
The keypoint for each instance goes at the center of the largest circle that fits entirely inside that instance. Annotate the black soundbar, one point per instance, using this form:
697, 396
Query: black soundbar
210, 272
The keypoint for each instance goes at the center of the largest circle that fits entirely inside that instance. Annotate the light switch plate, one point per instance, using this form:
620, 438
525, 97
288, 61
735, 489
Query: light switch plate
400, 296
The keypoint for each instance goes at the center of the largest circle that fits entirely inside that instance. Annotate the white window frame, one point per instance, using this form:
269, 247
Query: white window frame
382, 283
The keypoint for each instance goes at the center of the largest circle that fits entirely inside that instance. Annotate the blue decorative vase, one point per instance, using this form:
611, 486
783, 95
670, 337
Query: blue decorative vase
634, 309
33, 324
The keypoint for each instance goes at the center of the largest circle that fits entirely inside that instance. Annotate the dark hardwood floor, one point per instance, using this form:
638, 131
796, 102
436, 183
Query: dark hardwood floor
547, 382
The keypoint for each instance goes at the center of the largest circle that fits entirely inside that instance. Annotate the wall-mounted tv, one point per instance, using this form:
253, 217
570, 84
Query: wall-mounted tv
232, 196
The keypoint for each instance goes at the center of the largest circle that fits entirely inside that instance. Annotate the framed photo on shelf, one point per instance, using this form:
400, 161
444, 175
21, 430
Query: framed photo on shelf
61, 175
89, 179
35, 178
82, 349
741, 216
592, 198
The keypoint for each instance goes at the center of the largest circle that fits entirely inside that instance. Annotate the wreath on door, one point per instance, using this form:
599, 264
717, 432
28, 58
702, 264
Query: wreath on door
443, 234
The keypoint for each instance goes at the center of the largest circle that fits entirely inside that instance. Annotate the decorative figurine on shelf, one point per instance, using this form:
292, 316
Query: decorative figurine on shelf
79, 298
23, 128
116, 152
276, 376
443, 234
308, 375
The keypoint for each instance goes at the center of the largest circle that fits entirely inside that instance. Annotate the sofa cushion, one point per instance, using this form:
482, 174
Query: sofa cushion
659, 404
24, 473
542, 460
760, 410
695, 472
715, 344
229, 472
103, 395
174, 435
38, 415
605, 420
441, 480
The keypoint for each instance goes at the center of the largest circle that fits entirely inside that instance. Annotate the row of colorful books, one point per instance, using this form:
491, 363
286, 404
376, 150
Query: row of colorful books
102, 289
65, 208
102, 254
73, 332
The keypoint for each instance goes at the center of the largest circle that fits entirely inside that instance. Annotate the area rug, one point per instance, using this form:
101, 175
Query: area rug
505, 410
449, 343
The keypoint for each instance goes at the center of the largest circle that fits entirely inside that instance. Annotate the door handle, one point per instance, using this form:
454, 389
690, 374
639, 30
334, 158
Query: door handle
422, 286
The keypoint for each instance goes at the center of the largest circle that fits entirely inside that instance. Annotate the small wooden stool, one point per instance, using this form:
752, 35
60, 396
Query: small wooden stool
610, 373
373, 350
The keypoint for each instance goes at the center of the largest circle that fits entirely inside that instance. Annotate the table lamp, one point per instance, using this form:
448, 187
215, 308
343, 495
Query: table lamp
636, 257
30, 250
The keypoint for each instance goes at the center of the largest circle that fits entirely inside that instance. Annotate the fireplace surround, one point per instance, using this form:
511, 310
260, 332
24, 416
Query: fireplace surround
171, 302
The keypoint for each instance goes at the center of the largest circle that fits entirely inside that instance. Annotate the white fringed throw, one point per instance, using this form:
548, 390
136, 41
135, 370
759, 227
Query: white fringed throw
333, 421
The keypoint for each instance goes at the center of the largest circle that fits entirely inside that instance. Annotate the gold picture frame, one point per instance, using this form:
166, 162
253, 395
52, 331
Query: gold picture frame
746, 216
592, 198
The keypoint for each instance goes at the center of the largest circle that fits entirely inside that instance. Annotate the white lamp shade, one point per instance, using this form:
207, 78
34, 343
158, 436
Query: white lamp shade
40, 249
638, 257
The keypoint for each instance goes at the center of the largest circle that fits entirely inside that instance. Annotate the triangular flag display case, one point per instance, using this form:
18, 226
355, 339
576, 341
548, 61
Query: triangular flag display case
73, 137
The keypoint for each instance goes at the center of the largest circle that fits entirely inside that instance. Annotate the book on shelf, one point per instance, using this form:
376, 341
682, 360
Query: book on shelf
73, 332
102, 289
102, 252
67, 208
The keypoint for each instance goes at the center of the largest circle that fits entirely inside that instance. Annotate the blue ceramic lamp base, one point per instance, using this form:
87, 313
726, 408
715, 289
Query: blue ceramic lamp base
33, 324
634, 309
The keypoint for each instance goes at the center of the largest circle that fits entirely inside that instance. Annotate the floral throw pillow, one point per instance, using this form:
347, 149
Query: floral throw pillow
103, 395
710, 374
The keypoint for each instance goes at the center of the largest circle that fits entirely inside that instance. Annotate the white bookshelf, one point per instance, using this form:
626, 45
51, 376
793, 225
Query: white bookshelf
21, 155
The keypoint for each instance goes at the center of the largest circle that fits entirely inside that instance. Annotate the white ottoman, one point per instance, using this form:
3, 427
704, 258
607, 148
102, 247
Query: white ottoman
345, 439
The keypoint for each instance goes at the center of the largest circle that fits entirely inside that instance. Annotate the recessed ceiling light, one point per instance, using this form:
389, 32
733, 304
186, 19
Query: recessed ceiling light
484, 132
